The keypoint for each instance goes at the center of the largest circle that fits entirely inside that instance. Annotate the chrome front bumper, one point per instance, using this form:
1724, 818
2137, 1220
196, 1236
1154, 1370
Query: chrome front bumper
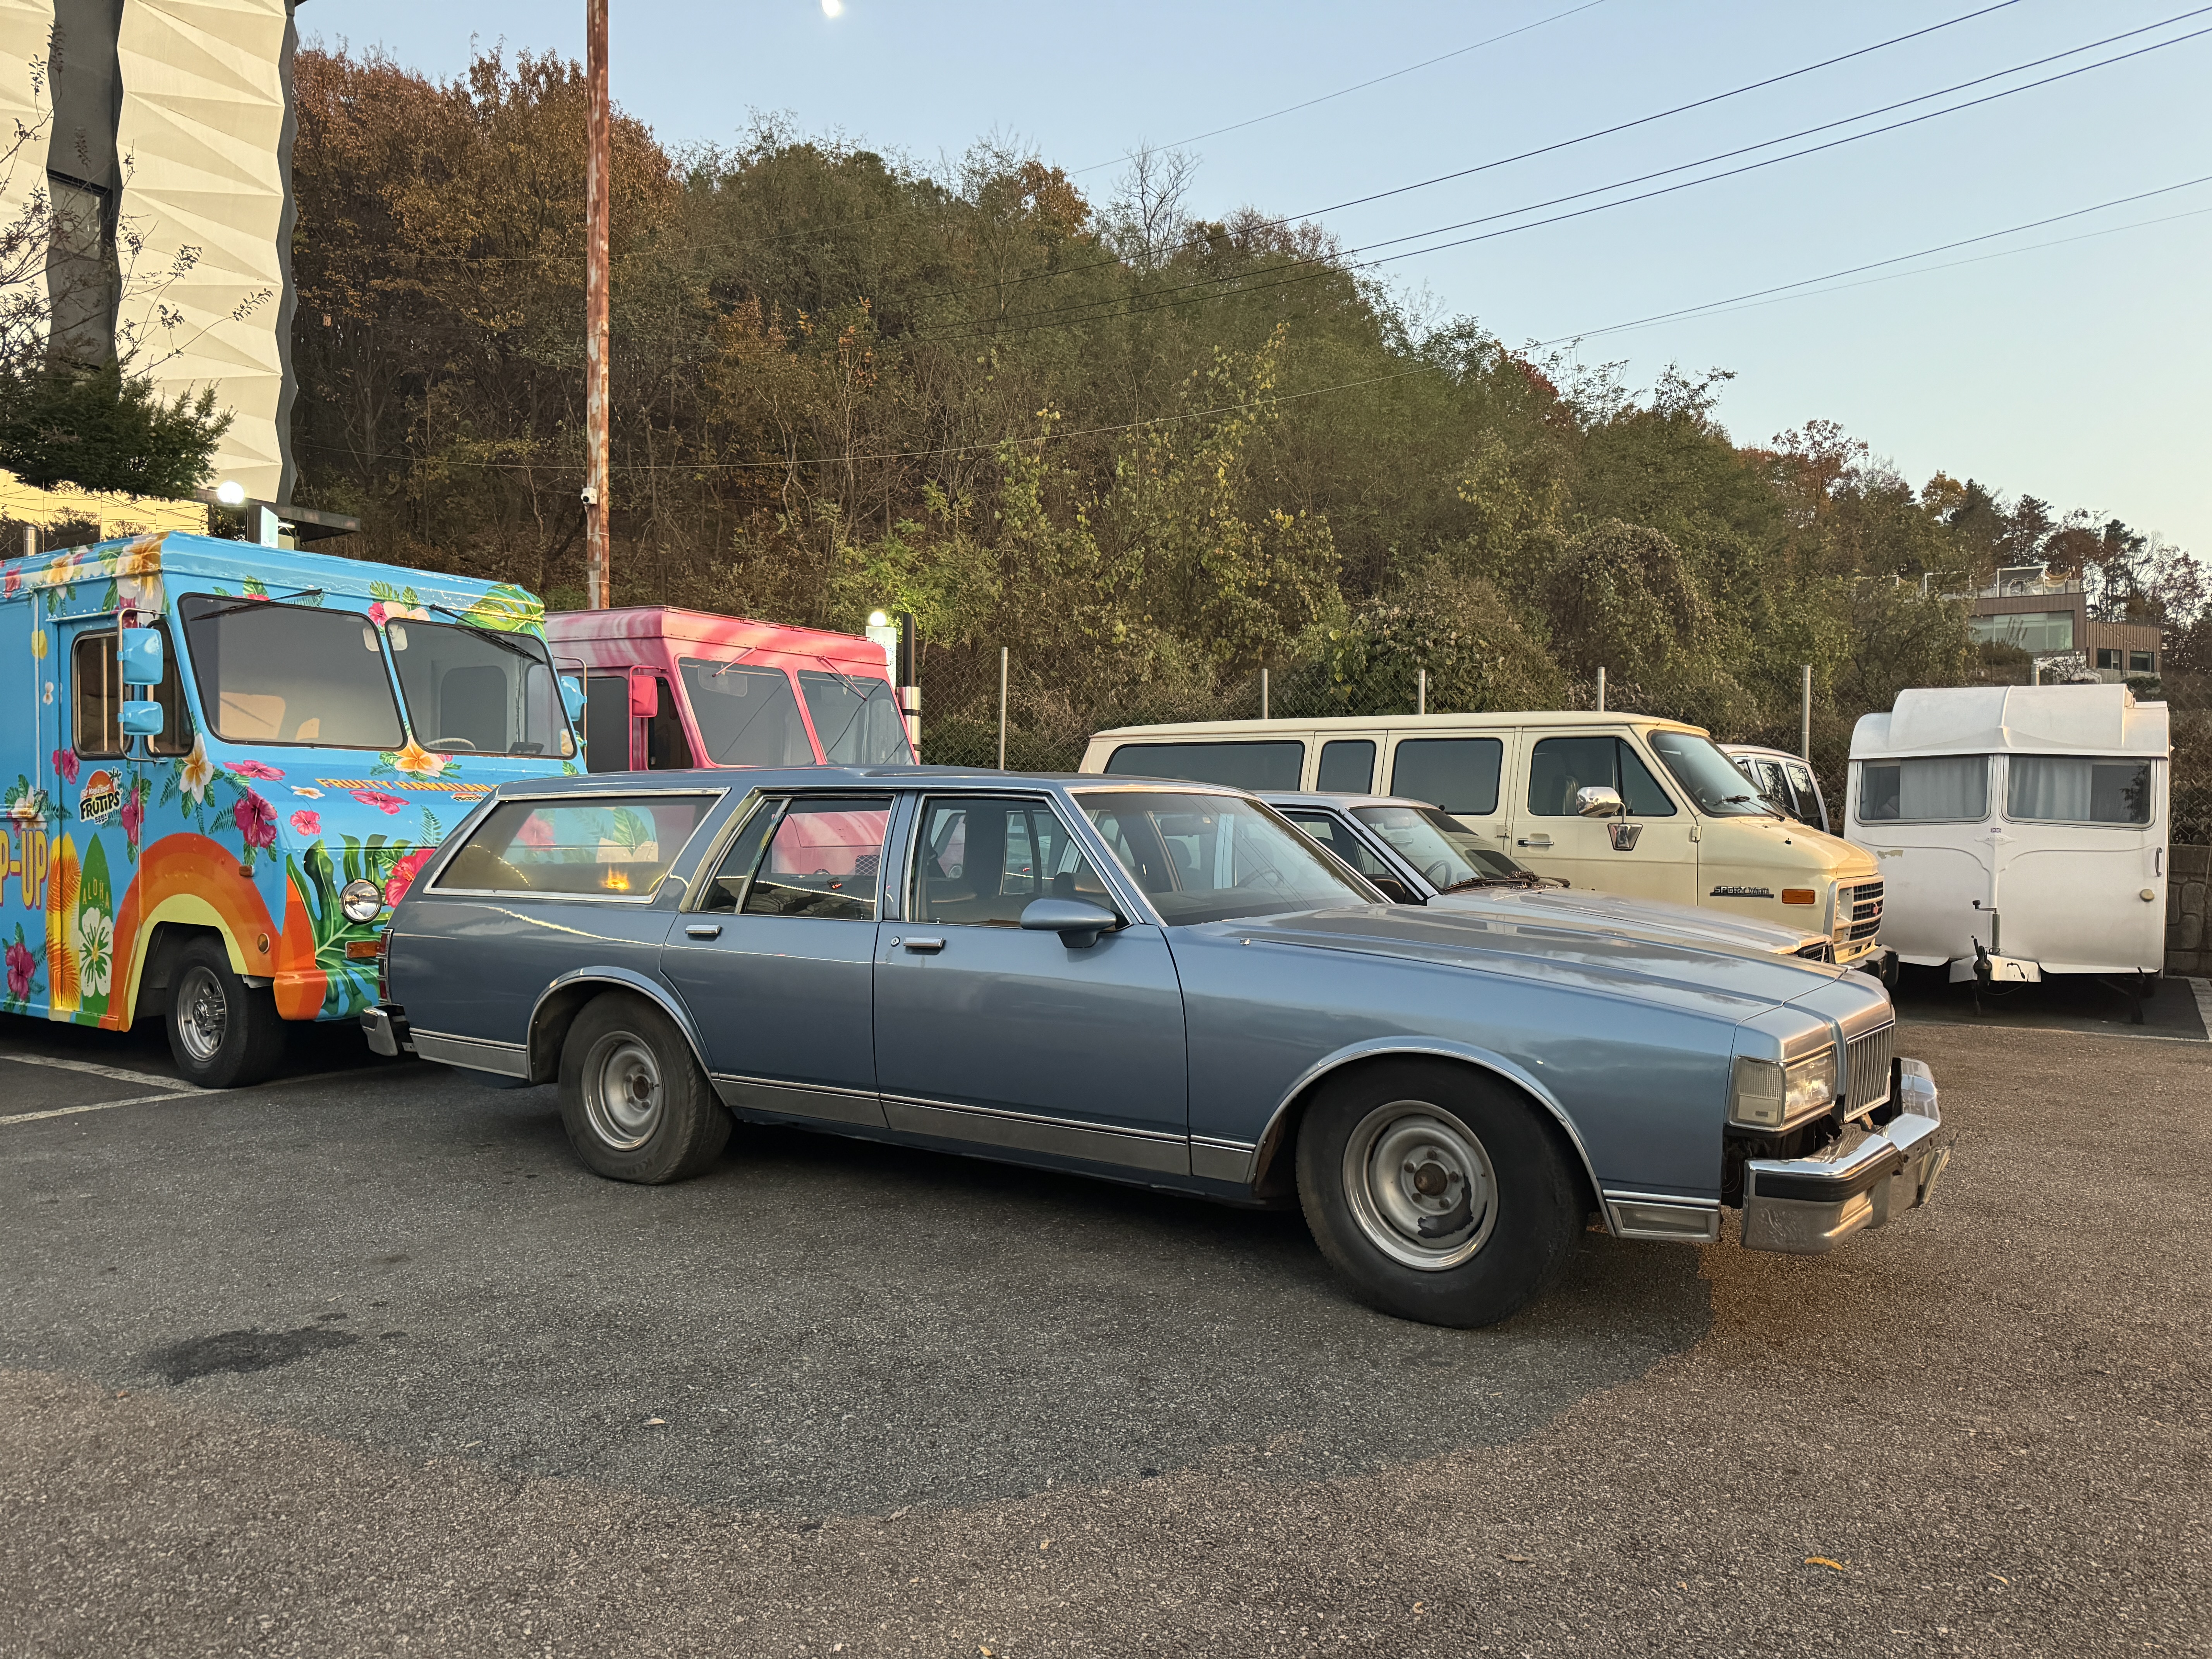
386, 1031
1805, 1205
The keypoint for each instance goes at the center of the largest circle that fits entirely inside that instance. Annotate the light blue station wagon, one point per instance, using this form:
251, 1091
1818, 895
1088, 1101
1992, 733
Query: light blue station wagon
1156, 983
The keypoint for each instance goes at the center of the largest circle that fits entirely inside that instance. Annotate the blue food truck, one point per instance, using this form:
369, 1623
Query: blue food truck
224, 762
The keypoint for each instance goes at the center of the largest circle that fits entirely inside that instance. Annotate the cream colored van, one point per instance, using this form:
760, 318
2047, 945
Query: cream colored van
1622, 803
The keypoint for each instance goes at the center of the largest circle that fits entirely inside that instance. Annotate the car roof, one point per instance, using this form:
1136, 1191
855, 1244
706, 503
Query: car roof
862, 779
1370, 725
1761, 751
1326, 798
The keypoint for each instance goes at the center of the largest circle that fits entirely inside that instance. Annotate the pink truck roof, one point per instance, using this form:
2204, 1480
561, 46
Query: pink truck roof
645, 633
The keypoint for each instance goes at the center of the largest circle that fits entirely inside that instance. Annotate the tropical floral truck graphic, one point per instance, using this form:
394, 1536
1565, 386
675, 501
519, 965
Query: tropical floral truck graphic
224, 762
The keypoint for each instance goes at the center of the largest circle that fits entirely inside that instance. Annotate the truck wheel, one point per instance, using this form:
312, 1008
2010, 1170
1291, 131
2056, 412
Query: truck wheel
1437, 1192
223, 1033
633, 1098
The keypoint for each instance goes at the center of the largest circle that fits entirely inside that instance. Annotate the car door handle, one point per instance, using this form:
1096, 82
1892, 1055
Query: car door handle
1535, 840
704, 930
924, 946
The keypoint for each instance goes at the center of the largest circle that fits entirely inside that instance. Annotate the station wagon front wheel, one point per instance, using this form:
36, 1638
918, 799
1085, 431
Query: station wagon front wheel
635, 1104
1437, 1191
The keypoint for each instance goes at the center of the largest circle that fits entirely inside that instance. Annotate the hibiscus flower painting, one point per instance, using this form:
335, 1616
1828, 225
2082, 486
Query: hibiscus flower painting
387, 804
65, 763
254, 769
404, 873
305, 823
256, 820
21, 966
95, 944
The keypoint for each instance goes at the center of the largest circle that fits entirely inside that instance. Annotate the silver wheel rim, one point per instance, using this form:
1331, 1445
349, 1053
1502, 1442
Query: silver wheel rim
622, 1091
203, 1014
1421, 1186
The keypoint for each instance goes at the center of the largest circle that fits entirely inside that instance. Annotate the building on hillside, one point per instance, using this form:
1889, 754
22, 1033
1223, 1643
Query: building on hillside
162, 132
2050, 619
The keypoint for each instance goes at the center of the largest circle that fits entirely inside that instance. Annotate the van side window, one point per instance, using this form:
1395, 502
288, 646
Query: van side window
1236, 765
1560, 766
1347, 767
606, 723
666, 749
1457, 773
96, 697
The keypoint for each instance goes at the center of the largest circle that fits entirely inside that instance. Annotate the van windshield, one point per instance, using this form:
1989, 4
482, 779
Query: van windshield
473, 692
1716, 785
272, 672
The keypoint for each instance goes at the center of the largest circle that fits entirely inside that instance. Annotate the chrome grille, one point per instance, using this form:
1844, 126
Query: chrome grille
1866, 1068
1858, 911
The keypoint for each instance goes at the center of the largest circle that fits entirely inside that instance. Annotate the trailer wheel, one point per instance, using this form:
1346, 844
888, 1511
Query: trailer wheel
223, 1033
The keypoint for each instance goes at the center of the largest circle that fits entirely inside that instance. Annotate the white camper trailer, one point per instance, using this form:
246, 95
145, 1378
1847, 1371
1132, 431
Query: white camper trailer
2021, 830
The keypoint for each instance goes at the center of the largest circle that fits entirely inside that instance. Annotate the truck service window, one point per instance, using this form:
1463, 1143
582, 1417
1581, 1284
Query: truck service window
471, 691
1942, 789
857, 719
595, 846
747, 714
1236, 765
272, 672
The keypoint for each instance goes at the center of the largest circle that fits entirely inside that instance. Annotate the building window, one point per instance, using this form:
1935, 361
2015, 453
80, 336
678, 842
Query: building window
2142, 662
2035, 631
2108, 656
80, 279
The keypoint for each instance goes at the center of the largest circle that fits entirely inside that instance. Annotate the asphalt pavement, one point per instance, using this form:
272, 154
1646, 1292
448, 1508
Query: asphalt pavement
362, 1361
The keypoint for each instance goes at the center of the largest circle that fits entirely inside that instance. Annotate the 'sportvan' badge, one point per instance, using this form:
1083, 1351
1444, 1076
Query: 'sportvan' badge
102, 796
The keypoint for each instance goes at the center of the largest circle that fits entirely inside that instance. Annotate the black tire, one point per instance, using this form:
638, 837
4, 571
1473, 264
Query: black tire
1483, 1205
635, 1104
223, 1033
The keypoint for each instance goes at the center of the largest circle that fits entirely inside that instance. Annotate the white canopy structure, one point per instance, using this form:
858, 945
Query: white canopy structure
2021, 720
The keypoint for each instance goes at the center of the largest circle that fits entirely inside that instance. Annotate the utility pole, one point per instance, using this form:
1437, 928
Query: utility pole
597, 583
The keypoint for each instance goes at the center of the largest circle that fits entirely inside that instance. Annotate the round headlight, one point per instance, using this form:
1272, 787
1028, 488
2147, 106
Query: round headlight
362, 901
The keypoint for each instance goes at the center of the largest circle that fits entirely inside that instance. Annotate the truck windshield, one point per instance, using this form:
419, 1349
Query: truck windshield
746, 714
270, 672
1213, 858
472, 692
1717, 786
857, 719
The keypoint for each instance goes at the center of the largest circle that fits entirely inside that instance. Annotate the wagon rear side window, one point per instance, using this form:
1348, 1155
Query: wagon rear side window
603, 847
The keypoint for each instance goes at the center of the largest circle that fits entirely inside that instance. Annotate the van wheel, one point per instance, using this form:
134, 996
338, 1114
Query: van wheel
223, 1033
1437, 1192
633, 1100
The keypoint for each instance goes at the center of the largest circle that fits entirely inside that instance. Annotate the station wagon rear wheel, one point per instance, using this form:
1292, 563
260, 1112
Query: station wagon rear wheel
635, 1104
1438, 1191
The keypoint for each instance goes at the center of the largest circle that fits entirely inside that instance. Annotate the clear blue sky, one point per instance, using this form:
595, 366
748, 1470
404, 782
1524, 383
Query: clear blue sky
2077, 373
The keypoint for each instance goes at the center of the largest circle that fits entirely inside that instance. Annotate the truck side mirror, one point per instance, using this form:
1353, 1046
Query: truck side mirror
142, 720
572, 696
138, 653
1597, 801
644, 696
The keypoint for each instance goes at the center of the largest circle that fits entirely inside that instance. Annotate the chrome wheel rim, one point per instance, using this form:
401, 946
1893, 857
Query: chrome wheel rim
623, 1092
1421, 1186
203, 1014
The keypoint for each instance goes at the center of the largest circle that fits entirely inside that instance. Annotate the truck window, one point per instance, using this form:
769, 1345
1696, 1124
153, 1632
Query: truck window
1347, 767
1560, 766
746, 712
1940, 789
272, 672
1243, 765
666, 749
858, 721
471, 691
599, 847
606, 723
96, 697
1458, 774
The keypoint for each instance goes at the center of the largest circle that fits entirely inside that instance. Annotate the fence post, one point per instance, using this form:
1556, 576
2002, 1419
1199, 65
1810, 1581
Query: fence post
1263, 693
1002, 709
1421, 691
1805, 719
1601, 690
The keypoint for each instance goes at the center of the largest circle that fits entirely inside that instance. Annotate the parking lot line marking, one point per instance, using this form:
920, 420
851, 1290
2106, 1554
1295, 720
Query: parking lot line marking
104, 1105
90, 1068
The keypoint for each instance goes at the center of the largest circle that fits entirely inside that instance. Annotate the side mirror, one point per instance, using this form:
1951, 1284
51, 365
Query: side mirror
644, 696
1391, 888
572, 696
1597, 801
139, 656
1078, 921
142, 720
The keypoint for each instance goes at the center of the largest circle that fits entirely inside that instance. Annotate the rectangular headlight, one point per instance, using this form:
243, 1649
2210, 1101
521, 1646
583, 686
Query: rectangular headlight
1766, 1096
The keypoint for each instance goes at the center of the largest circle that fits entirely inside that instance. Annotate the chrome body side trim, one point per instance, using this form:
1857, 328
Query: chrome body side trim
827, 1105
1375, 1048
507, 1059
1806, 1206
1213, 1159
1094, 1143
1666, 1218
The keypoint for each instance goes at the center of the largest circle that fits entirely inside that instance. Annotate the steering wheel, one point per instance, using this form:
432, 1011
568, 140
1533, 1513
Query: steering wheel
1269, 877
1438, 875
451, 746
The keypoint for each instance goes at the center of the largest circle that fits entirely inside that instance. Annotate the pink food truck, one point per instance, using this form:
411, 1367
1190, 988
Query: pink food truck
667, 689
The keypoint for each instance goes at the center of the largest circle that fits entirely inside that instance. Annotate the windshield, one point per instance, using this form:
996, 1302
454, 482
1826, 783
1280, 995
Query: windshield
1213, 858
857, 719
747, 715
1447, 854
270, 672
471, 692
1716, 785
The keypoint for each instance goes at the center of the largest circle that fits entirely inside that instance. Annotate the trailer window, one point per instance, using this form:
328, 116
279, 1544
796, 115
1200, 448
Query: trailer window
2077, 789
747, 715
1939, 789
857, 719
270, 672
1235, 765
471, 691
